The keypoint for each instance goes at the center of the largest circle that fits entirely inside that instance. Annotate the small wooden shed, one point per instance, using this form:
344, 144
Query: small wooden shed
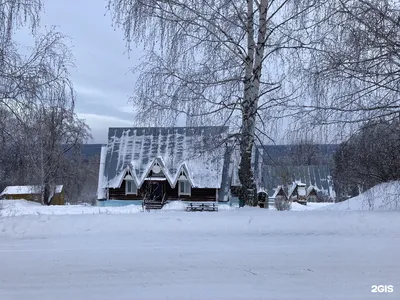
281, 199
262, 198
312, 194
33, 193
298, 193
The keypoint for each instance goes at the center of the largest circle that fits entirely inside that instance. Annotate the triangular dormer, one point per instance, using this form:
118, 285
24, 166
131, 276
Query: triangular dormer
130, 184
184, 184
156, 171
182, 176
128, 175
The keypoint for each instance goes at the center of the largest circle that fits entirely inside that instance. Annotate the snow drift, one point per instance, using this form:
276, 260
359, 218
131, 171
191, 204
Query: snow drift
21, 207
11, 208
384, 197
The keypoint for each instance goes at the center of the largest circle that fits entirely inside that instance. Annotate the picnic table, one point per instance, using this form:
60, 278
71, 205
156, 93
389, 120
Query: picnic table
202, 207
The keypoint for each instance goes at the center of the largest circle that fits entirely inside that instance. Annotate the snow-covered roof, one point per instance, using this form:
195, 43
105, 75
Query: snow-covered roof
273, 167
199, 151
277, 190
261, 190
296, 184
310, 189
315, 175
27, 190
291, 189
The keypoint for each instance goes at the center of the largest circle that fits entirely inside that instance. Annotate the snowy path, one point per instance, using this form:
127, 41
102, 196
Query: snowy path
245, 254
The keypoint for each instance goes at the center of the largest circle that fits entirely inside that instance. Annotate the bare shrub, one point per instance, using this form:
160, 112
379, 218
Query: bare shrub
368, 158
282, 204
322, 197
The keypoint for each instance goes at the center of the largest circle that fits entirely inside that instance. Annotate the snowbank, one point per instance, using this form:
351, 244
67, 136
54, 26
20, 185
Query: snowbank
309, 206
180, 205
175, 205
383, 197
22, 207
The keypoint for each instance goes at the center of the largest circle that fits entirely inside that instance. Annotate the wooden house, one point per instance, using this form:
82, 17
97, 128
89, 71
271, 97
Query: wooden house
298, 193
281, 200
163, 164
280, 193
33, 193
262, 198
312, 194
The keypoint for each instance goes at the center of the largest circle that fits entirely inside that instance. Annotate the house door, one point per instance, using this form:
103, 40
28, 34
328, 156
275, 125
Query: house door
157, 188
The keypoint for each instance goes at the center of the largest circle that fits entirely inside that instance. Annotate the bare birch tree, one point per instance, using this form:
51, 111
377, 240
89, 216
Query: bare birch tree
44, 150
216, 62
59, 134
355, 72
15, 14
38, 124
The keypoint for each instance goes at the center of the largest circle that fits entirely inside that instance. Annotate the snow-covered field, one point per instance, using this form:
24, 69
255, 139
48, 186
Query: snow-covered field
247, 253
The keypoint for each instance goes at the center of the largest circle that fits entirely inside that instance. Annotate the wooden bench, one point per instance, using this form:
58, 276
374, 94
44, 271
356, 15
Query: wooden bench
202, 207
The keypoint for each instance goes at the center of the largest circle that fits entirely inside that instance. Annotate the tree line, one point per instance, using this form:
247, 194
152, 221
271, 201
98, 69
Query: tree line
369, 157
40, 133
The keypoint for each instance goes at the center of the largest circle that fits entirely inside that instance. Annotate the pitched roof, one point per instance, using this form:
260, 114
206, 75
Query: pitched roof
287, 154
311, 189
294, 188
316, 175
269, 175
279, 190
198, 149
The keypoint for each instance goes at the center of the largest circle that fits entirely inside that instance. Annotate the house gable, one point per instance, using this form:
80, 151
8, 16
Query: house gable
279, 191
158, 163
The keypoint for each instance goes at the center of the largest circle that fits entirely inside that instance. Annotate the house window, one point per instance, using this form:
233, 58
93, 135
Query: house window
130, 187
184, 188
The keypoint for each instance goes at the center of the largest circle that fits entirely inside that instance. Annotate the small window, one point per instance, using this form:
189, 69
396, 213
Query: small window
130, 187
184, 188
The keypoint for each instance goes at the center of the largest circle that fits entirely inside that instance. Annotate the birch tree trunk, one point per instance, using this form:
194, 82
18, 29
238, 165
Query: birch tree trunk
255, 55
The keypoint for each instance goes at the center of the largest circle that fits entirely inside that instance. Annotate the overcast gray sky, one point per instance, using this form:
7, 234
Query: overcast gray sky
101, 78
